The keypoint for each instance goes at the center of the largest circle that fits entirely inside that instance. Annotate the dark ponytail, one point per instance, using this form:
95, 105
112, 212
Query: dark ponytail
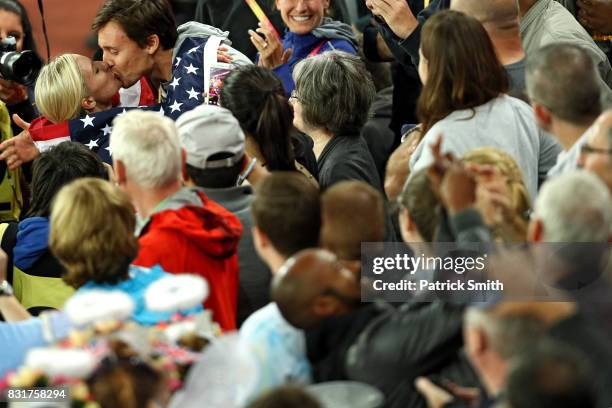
256, 97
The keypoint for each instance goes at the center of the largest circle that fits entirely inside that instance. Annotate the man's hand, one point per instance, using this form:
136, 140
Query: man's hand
458, 189
12, 93
435, 396
492, 194
223, 55
596, 15
271, 51
397, 15
19, 149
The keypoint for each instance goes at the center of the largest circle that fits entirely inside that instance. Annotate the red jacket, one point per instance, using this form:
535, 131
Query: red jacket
193, 234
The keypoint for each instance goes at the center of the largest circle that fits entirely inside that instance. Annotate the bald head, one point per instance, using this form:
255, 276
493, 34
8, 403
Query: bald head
341, 205
501, 14
314, 285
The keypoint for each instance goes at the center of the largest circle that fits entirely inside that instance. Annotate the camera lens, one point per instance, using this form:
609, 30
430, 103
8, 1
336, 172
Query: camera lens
21, 67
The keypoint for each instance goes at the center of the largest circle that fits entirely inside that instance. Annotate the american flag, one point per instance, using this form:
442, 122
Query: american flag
183, 92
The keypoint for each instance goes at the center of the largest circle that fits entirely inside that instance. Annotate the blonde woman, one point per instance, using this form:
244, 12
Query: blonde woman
72, 85
92, 235
508, 221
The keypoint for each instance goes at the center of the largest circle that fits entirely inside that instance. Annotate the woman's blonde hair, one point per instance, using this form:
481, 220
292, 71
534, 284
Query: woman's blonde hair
60, 88
92, 232
515, 226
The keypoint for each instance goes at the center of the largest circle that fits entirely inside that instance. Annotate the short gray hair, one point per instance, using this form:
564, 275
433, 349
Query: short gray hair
147, 144
508, 335
575, 207
335, 91
563, 78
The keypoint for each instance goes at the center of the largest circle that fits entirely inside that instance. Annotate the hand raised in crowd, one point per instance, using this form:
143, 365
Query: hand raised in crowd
452, 182
223, 55
492, 194
397, 14
596, 15
19, 149
271, 51
12, 93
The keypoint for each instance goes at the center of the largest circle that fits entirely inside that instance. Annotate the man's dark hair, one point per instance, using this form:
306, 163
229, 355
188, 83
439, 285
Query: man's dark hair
57, 167
224, 177
563, 78
551, 374
287, 209
140, 19
287, 396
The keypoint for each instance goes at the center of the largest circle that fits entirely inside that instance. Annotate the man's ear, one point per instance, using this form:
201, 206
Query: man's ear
186, 179
543, 116
260, 239
153, 44
325, 306
120, 172
481, 342
535, 231
88, 104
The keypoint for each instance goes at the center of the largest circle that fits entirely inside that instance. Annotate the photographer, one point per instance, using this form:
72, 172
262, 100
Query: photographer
19, 98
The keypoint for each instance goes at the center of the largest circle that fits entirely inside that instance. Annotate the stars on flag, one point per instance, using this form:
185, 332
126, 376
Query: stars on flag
175, 82
178, 61
92, 144
192, 70
194, 49
107, 130
176, 106
87, 121
193, 94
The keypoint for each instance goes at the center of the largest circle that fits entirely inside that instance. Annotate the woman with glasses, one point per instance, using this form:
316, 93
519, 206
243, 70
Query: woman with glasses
332, 97
308, 33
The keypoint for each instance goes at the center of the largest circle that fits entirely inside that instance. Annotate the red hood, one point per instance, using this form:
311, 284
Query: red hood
209, 226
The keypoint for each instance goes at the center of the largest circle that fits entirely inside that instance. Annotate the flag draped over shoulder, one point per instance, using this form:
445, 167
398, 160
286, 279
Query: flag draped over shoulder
182, 93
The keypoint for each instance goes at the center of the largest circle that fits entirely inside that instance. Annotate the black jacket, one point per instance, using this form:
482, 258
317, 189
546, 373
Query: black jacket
347, 158
388, 348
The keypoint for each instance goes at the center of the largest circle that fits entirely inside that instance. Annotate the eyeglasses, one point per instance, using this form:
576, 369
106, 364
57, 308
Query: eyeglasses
294, 96
586, 149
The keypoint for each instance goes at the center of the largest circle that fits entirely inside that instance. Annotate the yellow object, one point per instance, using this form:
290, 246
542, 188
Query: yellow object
40, 291
261, 16
11, 198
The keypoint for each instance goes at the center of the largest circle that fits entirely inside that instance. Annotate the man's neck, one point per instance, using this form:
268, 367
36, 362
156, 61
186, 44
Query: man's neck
162, 68
146, 200
567, 133
320, 137
495, 377
507, 43
275, 261
525, 6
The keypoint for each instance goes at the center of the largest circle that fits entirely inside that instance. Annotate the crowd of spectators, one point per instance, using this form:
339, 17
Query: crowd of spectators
192, 217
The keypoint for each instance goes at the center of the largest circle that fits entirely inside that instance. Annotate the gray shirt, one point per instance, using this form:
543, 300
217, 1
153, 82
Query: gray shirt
505, 123
549, 22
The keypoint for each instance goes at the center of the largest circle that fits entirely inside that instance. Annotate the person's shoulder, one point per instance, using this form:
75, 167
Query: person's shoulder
263, 320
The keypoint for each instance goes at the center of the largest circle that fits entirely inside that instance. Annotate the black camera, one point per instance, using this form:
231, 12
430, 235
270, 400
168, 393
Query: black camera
16, 66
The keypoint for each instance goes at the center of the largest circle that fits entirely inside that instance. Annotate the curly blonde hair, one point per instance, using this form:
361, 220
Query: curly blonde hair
514, 227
